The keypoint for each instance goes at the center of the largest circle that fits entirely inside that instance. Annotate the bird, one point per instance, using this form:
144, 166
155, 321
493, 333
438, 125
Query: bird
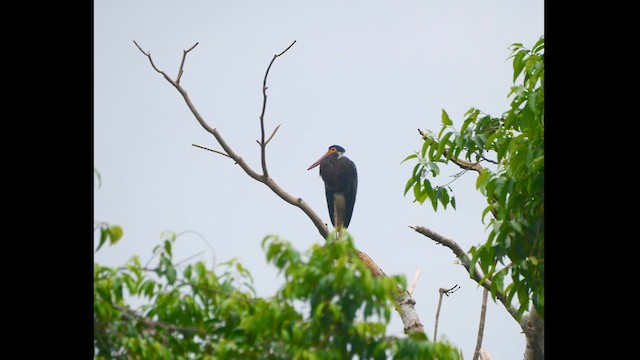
340, 185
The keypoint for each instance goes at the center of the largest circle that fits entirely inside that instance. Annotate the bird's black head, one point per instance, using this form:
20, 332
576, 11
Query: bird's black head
334, 152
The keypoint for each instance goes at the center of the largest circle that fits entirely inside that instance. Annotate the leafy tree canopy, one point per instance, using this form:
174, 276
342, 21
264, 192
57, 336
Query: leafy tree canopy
330, 307
514, 144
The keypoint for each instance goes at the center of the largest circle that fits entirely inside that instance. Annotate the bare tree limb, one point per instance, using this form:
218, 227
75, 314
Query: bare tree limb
466, 165
184, 57
414, 282
272, 134
214, 151
476, 274
263, 143
442, 291
483, 314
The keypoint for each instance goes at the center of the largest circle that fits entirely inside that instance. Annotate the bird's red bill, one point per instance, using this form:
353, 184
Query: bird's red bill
319, 161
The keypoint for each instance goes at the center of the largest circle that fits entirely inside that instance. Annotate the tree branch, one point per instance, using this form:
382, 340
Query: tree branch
150, 323
263, 143
442, 291
414, 282
184, 57
483, 314
405, 302
476, 274
214, 151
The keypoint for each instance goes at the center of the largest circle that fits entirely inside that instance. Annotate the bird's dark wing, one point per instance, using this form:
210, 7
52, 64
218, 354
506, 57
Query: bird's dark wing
329, 194
350, 193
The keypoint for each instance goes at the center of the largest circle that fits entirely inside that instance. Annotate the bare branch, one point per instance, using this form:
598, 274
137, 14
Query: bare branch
263, 143
488, 160
450, 290
272, 134
476, 274
414, 282
442, 291
467, 165
148, 55
184, 56
204, 240
215, 151
483, 313
188, 258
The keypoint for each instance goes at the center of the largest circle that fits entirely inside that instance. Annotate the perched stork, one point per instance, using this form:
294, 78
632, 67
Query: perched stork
340, 185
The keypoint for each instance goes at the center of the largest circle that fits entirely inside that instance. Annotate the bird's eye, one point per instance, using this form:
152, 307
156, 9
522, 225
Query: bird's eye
332, 150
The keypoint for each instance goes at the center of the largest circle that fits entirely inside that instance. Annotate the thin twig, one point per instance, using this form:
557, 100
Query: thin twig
483, 313
187, 259
263, 143
475, 273
184, 56
488, 160
204, 240
272, 134
442, 291
148, 54
414, 282
215, 151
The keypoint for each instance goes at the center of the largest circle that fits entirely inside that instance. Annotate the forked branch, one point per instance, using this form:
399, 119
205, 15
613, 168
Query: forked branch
228, 151
465, 260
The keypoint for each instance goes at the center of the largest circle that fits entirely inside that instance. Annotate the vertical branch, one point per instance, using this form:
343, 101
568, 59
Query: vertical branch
435, 329
263, 143
184, 57
483, 313
442, 291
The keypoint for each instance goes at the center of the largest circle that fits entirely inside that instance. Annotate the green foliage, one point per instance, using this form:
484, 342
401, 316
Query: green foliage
330, 307
513, 144
111, 233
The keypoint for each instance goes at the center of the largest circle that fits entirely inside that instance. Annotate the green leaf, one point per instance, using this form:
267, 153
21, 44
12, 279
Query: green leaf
200, 270
412, 156
518, 64
167, 247
147, 288
428, 190
117, 288
171, 275
435, 170
115, 234
410, 183
539, 46
443, 196
417, 190
187, 272
104, 233
445, 118
443, 142
531, 101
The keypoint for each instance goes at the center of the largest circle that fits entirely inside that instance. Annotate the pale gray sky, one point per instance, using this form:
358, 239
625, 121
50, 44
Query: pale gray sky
363, 74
